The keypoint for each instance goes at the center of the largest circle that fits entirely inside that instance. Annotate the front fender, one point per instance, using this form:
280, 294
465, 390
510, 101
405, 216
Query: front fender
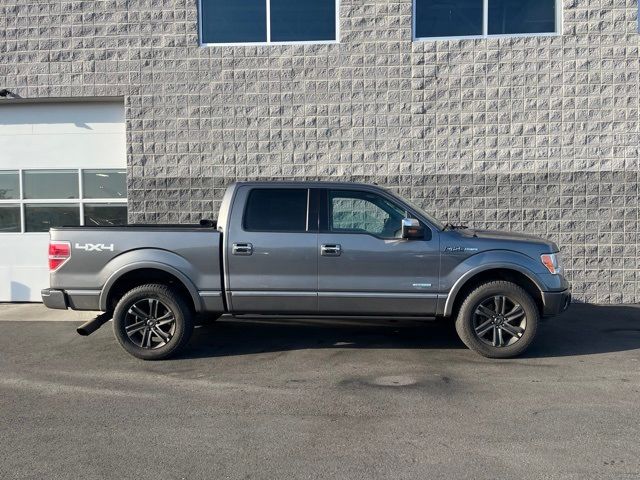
491, 260
147, 258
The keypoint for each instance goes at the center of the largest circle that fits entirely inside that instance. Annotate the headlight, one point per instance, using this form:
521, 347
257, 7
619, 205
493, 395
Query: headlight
552, 262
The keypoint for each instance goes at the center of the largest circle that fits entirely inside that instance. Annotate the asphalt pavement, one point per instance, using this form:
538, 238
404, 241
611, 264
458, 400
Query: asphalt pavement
309, 399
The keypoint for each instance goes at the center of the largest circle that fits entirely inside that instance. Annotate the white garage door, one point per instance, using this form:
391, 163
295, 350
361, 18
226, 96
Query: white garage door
60, 164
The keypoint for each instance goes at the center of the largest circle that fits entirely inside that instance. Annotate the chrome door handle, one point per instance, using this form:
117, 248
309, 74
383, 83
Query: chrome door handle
242, 249
330, 250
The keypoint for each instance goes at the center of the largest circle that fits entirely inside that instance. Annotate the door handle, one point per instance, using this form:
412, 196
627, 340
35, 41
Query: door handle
242, 249
330, 250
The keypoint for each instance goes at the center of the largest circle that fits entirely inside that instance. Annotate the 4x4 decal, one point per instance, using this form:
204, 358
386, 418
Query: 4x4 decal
94, 247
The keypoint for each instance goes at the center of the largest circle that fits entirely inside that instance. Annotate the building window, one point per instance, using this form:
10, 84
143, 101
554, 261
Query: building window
50, 184
9, 217
104, 183
9, 185
37, 200
484, 18
225, 22
105, 214
40, 217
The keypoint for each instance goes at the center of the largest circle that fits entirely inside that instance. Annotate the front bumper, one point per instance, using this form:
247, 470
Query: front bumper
54, 298
555, 303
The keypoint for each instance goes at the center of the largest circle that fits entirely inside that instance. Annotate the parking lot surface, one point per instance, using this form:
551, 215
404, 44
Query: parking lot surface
282, 398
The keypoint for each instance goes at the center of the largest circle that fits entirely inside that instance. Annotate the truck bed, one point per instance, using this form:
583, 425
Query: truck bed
101, 255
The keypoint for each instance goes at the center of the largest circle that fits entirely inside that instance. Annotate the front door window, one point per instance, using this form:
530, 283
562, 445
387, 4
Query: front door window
364, 212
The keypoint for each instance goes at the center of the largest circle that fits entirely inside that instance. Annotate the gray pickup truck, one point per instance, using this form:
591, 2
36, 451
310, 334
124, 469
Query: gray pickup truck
312, 248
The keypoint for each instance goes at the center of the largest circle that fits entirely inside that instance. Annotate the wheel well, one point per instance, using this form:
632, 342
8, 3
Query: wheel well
506, 274
142, 276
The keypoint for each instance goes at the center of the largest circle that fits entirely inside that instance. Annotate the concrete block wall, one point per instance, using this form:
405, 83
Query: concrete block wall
538, 134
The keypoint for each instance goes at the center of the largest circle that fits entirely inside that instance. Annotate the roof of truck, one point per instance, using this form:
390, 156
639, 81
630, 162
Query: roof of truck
311, 183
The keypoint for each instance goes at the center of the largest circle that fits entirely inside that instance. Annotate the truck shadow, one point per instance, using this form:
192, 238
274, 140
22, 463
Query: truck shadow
583, 330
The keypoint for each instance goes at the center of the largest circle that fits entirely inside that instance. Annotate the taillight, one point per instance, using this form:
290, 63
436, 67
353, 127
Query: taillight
59, 252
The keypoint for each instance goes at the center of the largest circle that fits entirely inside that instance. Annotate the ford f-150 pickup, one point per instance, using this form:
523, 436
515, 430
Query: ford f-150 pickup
312, 248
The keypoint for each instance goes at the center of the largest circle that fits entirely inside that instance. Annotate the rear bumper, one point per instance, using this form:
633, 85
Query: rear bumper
73, 299
54, 298
555, 303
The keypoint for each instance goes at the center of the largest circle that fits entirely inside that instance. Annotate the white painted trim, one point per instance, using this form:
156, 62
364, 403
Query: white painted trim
268, 15
485, 27
80, 194
485, 18
559, 17
79, 99
65, 200
488, 37
28, 233
23, 226
269, 42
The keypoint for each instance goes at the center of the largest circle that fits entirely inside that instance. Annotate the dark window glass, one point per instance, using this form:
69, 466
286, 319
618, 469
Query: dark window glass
448, 18
104, 183
234, 21
62, 184
41, 217
303, 20
276, 210
363, 212
105, 214
522, 16
9, 185
9, 218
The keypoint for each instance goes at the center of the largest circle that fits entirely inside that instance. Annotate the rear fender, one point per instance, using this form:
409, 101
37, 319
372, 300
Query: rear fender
148, 258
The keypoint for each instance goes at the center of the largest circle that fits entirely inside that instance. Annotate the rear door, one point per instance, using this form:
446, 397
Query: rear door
271, 251
364, 266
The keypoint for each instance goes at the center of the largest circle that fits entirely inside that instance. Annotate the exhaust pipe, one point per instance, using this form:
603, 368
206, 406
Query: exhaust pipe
94, 324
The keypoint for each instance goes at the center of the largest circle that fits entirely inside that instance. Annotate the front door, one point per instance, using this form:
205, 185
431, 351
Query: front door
272, 264
364, 266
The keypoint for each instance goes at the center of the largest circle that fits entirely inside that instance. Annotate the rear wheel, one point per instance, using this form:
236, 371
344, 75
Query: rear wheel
152, 322
498, 320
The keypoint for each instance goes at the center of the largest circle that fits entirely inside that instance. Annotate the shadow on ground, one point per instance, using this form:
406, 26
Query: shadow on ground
583, 330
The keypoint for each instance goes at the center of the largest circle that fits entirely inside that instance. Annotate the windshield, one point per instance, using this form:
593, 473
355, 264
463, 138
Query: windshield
434, 221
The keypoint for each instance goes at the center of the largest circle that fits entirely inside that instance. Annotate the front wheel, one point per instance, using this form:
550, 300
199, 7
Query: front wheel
498, 320
152, 322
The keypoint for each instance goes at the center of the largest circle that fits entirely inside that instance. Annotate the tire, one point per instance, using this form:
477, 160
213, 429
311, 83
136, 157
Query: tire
142, 322
510, 331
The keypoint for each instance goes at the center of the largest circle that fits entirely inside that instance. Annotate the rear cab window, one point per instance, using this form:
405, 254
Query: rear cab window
276, 210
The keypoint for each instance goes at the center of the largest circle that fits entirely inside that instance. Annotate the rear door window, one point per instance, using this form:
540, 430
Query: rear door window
276, 210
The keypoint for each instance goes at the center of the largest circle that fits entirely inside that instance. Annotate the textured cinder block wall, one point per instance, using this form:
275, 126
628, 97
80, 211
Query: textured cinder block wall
536, 134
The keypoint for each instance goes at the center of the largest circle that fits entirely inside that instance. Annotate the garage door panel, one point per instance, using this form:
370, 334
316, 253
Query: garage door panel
62, 151
59, 118
81, 138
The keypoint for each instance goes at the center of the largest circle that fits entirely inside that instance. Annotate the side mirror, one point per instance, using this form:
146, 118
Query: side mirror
411, 228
